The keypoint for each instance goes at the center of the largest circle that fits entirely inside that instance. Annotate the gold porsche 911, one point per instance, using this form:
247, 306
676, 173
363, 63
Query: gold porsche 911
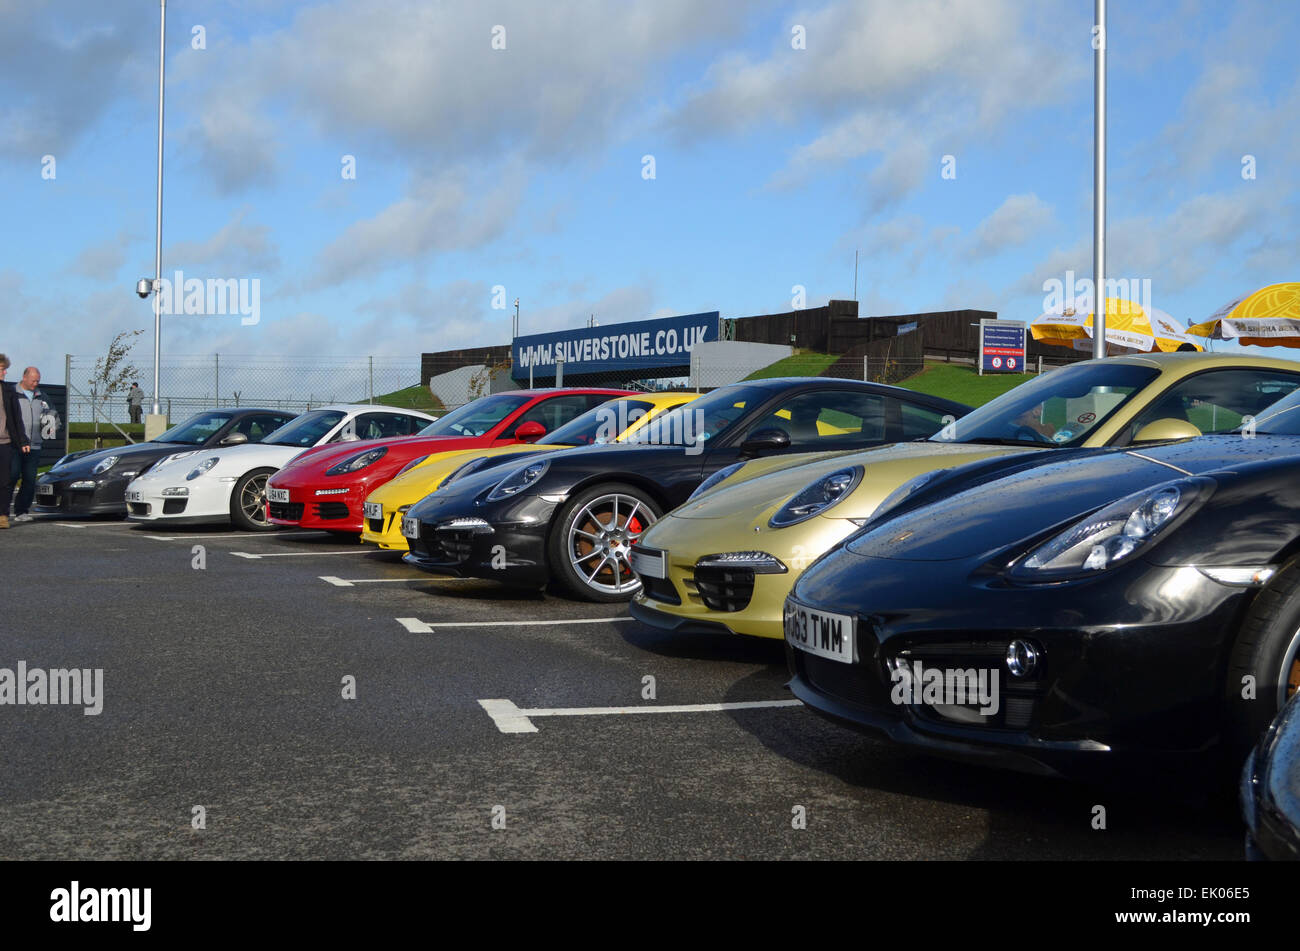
731, 554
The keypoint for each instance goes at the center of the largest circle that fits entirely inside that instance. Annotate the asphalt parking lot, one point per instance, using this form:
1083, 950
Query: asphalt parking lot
223, 687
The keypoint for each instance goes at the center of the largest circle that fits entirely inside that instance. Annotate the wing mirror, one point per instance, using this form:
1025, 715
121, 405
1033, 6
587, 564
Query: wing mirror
765, 440
234, 439
530, 431
1162, 429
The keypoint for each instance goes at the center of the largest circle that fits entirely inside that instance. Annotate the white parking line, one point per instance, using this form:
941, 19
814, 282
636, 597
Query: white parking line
195, 538
292, 554
511, 719
416, 626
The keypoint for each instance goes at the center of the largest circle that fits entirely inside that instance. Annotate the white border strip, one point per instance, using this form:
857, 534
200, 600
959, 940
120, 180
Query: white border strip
511, 719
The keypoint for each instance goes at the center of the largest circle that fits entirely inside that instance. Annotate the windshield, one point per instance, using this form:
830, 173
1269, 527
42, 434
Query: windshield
307, 430
1059, 408
601, 424
476, 418
1280, 419
196, 430
700, 420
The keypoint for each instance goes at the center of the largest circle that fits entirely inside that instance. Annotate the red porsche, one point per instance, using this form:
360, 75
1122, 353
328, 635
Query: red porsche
324, 488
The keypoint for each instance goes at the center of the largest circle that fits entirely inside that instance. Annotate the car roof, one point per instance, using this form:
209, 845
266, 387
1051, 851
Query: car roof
1187, 360
366, 407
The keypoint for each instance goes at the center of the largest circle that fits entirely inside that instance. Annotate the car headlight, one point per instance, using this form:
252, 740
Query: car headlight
474, 465
104, 465
723, 473
817, 497
519, 480
358, 462
413, 463
1112, 535
202, 467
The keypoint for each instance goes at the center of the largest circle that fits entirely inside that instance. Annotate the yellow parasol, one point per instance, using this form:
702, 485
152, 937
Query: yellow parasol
1270, 317
1128, 327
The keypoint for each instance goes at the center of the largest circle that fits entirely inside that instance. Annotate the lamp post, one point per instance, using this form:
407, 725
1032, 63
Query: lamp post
516, 330
1099, 40
156, 423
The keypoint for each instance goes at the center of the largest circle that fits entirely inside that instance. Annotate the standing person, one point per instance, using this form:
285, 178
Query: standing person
33, 408
135, 400
12, 439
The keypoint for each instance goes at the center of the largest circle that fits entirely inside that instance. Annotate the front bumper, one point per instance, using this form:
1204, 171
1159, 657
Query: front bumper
1127, 673
738, 601
208, 502
509, 546
333, 512
106, 497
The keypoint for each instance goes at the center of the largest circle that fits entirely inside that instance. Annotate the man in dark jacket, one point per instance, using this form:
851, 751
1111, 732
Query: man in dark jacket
35, 412
13, 438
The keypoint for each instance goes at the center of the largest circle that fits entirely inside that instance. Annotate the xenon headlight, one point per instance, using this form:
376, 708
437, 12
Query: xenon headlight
724, 473
817, 497
104, 465
202, 467
358, 462
519, 480
413, 463
1113, 535
474, 465
904, 491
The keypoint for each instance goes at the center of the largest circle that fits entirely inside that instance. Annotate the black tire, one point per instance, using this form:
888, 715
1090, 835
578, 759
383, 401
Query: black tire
1267, 648
577, 539
251, 485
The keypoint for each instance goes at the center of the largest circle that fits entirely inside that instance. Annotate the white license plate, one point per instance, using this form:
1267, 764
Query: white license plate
134, 495
410, 527
44, 489
372, 510
649, 562
819, 632
278, 495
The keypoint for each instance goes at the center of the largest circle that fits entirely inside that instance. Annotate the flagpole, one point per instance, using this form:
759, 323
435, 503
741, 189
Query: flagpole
1099, 184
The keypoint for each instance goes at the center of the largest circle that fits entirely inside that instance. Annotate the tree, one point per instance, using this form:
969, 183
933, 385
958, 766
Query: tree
112, 373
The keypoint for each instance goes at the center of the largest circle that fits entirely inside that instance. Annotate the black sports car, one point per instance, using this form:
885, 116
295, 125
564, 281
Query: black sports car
1270, 790
94, 481
1118, 606
574, 515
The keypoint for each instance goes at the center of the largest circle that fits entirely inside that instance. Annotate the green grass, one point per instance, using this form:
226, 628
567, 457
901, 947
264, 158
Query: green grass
807, 363
962, 383
412, 397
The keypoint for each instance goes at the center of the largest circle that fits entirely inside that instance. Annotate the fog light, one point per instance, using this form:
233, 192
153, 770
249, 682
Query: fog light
174, 491
1022, 658
331, 491
83, 484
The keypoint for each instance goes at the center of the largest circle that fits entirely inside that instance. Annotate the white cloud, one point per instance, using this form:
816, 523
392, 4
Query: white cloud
1019, 219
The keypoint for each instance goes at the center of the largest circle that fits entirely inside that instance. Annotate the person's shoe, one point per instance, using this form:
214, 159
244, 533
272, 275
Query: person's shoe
4, 521
21, 518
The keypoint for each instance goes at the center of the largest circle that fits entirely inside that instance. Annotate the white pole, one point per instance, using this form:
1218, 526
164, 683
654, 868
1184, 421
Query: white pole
157, 257
1099, 184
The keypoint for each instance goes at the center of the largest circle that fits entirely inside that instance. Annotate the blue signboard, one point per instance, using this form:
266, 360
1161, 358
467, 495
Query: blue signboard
1002, 346
636, 345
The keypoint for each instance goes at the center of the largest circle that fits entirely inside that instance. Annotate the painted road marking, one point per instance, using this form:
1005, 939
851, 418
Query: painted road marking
416, 626
350, 582
292, 554
511, 719
195, 538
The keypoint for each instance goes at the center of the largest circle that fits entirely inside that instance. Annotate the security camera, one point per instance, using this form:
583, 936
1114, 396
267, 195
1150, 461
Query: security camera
144, 287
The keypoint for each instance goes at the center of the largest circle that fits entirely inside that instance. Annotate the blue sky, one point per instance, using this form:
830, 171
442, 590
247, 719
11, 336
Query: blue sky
523, 166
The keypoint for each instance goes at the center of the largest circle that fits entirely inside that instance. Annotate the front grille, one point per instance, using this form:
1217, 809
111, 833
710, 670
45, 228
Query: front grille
174, 506
661, 589
375, 525
139, 508
847, 682
725, 589
453, 545
331, 510
288, 511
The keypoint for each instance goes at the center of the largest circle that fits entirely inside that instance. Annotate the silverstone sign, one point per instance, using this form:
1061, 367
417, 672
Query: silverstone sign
637, 345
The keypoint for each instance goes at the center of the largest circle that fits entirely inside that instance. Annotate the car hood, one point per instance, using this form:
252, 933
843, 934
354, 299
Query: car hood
140, 452
1031, 501
230, 459
884, 470
419, 481
320, 458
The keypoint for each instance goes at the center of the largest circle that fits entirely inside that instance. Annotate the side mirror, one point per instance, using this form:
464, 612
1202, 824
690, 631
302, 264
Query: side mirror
765, 440
234, 439
530, 431
1162, 429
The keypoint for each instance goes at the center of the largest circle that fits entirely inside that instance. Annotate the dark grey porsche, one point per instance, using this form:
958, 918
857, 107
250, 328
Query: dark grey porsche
93, 482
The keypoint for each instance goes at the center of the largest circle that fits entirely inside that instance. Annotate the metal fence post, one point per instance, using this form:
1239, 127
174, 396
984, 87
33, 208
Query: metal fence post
372, 379
67, 409
216, 385
866, 368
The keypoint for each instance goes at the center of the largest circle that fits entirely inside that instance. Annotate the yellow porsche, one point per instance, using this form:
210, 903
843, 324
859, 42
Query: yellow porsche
727, 558
613, 421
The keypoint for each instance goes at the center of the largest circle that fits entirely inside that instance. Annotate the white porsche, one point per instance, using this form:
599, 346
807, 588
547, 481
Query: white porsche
228, 484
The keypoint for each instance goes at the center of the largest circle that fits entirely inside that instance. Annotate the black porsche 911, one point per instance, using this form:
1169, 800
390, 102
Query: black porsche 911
94, 481
573, 516
1116, 607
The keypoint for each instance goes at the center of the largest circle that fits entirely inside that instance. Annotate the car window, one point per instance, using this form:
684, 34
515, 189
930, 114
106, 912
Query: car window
556, 411
826, 417
196, 430
1217, 400
307, 429
603, 423
257, 428
921, 421
476, 418
383, 425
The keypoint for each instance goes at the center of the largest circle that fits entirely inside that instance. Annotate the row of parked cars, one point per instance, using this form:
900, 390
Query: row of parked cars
1098, 569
